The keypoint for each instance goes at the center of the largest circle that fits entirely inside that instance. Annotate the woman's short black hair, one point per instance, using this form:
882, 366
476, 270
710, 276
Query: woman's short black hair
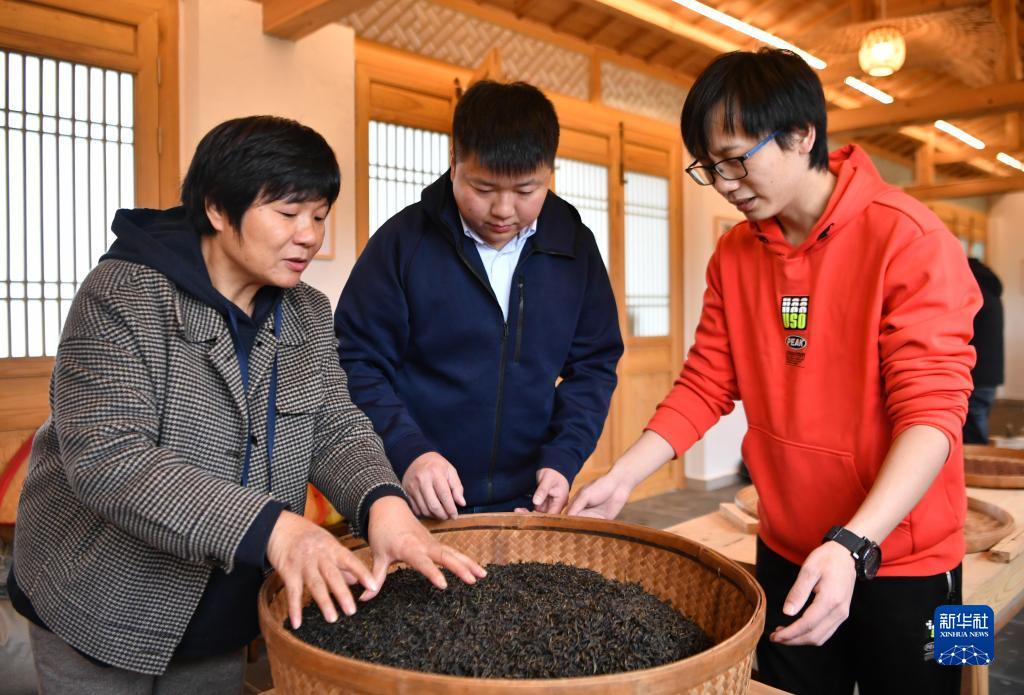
511, 128
257, 159
761, 92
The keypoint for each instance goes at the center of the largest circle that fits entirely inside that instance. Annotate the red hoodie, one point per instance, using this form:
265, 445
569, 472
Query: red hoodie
835, 348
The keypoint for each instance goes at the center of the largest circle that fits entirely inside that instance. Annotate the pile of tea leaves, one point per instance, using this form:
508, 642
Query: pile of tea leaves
523, 620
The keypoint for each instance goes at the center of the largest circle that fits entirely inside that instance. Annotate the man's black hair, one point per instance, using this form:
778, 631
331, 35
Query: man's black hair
761, 92
253, 160
512, 129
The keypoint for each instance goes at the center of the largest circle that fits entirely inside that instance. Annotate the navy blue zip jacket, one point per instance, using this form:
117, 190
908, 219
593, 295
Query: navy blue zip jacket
434, 364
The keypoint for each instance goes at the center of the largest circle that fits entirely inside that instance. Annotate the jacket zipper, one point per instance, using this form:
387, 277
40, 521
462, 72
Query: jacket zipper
519, 321
497, 416
501, 377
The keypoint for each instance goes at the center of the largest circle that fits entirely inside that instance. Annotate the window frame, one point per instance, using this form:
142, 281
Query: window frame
137, 36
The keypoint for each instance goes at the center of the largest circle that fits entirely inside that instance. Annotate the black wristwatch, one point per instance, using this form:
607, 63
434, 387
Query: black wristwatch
867, 556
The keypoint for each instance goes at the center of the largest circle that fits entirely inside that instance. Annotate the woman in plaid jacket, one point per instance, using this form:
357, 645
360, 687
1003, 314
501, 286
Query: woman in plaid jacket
196, 391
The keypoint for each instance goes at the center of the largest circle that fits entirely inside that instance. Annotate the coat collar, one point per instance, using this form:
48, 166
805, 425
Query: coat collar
199, 322
557, 225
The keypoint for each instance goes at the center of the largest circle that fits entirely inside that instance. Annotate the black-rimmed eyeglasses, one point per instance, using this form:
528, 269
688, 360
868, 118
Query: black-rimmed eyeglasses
730, 169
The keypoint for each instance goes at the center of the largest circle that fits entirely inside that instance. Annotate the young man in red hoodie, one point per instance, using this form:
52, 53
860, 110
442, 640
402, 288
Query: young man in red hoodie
839, 312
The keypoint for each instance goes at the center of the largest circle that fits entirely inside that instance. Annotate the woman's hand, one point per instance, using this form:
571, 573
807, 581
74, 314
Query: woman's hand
396, 535
306, 555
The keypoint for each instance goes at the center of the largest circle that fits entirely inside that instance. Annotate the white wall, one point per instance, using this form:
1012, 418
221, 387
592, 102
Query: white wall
229, 68
717, 454
1006, 258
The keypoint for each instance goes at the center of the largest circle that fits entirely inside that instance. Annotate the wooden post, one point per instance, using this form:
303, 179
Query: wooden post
924, 162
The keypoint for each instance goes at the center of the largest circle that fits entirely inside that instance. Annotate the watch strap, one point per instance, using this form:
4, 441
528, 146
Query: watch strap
846, 538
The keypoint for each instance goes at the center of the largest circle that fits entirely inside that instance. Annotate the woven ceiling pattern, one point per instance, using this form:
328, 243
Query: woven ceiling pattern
632, 91
444, 34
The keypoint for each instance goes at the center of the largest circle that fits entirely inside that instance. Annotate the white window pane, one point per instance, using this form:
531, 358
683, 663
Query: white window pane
49, 94
15, 81
67, 165
585, 186
647, 245
32, 76
403, 161
111, 105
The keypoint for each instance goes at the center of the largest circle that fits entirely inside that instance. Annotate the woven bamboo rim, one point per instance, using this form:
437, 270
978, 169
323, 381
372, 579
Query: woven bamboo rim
990, 466
712, 590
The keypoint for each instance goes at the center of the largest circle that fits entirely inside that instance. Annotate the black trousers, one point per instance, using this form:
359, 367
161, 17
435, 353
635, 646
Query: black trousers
885, 646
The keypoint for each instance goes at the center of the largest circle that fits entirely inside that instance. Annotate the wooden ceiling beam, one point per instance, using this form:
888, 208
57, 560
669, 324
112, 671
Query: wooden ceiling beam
663, 46
539, 30
862, 10
905, 8
293, 19
951, 103
596, 31
634, 35
958, 155
665, 22
914, 132
1009, 68
924, 162
994, 185
556, 23
521, 8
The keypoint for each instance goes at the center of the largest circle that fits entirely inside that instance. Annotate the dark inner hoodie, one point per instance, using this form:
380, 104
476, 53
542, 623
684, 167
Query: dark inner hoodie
225, 619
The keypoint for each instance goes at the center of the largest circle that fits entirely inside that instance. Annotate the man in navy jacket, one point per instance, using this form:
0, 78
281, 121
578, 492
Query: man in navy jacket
466, 308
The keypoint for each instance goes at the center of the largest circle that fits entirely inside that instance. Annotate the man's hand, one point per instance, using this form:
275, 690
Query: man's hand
552, 491
433, 486
306, 555
604, 498
395, 535
829, 572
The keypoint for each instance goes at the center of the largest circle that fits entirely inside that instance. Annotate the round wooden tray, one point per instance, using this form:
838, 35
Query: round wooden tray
986, 525
746, 500
990, 466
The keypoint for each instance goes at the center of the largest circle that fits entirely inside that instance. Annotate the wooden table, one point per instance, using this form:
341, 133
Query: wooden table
996, 584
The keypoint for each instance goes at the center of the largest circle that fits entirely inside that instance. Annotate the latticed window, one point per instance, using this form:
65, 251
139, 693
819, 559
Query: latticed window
403, 161
67, 158
585, 185
647, 254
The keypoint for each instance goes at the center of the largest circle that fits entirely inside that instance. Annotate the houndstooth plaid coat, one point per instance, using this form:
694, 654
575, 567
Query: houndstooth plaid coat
133, 492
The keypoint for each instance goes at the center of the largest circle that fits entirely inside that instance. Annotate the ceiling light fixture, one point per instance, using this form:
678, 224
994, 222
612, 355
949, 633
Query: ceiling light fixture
962, 136
871, 91
882, 52
1010, 161
750, 30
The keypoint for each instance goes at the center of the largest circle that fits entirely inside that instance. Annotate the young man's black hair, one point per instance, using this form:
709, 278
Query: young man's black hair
512, 129
763, 92
258, 158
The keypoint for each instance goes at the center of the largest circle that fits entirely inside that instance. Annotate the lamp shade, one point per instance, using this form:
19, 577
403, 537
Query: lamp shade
882, 52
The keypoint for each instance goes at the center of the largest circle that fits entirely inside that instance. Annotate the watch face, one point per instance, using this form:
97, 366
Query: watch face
872, 560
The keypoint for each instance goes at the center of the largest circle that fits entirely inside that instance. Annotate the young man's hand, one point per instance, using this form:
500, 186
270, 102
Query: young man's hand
603, 499
829, 572
395, 535
552, 491
433, 486
305, 555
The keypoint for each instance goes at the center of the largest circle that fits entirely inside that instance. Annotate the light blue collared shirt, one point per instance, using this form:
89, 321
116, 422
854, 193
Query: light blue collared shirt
501, 263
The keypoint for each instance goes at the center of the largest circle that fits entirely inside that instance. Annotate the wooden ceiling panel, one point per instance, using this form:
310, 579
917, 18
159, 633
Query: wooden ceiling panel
622, 27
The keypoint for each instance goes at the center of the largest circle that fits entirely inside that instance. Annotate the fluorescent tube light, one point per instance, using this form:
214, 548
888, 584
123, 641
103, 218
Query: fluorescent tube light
750, 30
865, 88
964, 137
